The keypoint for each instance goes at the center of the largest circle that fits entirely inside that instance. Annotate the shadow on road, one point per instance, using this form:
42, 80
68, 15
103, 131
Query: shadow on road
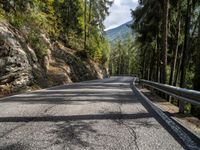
182, 135
15, 146
75, 117
69, 133
70, 128
76, 93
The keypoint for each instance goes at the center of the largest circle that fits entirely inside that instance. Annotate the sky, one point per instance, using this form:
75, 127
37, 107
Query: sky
120, 13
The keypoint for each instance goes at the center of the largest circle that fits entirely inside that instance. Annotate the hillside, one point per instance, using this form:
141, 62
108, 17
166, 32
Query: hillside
43, 44
22, 69
119, 32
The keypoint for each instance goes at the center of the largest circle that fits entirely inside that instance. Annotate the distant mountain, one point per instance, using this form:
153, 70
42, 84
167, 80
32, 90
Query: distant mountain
120, 32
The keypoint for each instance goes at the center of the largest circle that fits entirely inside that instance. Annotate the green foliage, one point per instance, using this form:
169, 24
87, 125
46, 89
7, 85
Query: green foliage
123, 59
105, 52
93, 46
38, 43
2, 12
74, 41
97, 46
183, 39
61, 20
16, 20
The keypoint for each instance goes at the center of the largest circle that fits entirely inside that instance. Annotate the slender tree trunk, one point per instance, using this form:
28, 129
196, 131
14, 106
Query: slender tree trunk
158, 59
195, 110
158, 68
164, 42
89, 21
120, 62
128, 61
68, 20
152, 64
196, 83
144, 64
85, 25
175, 52
186, 43
185, 53
110, 68
178, 67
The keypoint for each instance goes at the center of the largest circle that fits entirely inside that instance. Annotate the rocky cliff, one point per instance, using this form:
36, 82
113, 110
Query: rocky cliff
22, 69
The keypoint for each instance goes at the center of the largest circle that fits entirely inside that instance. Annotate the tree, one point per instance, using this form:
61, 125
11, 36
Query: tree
147, 21
123, 59
176, 45
85, 24
186, 45
196, 83
164, 42
78, 24
94, 28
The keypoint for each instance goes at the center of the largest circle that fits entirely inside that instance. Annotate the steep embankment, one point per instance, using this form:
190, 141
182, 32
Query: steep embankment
21, 68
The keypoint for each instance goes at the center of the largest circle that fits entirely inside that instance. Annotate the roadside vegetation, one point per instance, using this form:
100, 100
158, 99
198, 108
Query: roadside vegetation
78, 24
165, 46
44, 43
123, 57
168, 40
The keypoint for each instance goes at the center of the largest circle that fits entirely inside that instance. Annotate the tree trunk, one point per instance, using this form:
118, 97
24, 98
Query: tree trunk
144, 64
164, 42
158, 59
85, 24
195, 110
175, 52
68, 20
185, 53
152, 64
89, 21
178, 67
196, 84
120, 62
186, 43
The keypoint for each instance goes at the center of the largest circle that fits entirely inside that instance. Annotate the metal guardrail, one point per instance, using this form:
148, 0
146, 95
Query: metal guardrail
184, 95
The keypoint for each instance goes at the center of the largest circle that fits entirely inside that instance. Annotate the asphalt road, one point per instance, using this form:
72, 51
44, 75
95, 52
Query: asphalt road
96, 115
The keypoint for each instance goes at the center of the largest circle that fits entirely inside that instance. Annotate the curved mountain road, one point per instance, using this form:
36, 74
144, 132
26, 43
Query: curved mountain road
95, 115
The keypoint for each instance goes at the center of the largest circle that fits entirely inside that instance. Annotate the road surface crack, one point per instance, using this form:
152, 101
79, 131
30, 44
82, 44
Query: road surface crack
49, 108
130, 129
11, 130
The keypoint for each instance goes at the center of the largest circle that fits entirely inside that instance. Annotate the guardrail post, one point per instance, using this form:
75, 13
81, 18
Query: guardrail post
181, 106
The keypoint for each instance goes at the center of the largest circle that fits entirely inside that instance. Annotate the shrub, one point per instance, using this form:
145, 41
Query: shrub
16, 20
38, 44
1, 14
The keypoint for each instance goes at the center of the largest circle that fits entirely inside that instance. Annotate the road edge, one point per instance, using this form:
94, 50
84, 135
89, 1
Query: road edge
186, 139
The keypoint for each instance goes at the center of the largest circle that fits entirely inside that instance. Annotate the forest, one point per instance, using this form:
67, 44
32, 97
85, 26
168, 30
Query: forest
123, 57
166, 45
78, 24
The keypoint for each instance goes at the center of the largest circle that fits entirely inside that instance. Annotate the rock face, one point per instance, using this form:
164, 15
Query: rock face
21, 68
15, 69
